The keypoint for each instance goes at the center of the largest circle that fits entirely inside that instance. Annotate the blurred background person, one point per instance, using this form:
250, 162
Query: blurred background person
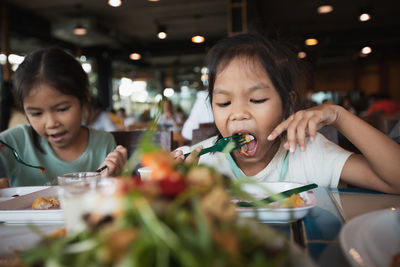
98, 118
169, 119
382, 103
126, 121
200, 113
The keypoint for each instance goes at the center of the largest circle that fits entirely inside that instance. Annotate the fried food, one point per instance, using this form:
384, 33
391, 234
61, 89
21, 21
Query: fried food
293, 201
45, 203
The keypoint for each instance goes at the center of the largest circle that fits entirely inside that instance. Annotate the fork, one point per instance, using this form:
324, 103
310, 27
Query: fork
238, 139
19, 159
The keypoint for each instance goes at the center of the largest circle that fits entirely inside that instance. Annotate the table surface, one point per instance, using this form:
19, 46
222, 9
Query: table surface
317, 234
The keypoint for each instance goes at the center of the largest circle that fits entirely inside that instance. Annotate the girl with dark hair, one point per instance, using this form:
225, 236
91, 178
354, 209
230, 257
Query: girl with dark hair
51, 88
254, 89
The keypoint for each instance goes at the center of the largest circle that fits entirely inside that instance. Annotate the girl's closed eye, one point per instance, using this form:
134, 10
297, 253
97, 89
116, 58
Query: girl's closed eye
224, 104
35, 114
63, 109
258, 101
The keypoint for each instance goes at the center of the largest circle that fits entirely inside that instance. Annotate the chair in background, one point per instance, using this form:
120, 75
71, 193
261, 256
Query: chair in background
205, 130
130, 139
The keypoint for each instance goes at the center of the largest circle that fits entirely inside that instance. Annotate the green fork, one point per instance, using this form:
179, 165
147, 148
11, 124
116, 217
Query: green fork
238, 140
19, 159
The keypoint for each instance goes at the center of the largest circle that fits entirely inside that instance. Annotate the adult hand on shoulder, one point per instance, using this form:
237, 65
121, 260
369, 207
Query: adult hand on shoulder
4, 183
192, 158
115, 161
305, 123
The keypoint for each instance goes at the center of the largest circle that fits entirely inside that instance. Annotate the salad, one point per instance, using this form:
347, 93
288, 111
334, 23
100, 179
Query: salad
183, 216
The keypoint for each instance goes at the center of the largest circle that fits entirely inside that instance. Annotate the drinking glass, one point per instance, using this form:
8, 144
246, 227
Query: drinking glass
83, 194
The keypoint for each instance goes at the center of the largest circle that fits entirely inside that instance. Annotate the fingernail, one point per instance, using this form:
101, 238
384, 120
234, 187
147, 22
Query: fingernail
302, 148
286, 145
199, 148
270, 137
292, 149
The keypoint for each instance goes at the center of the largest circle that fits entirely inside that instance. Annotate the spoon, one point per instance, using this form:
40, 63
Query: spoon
19, 159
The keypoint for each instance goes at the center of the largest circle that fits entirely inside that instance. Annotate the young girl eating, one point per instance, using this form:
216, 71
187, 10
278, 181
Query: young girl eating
51, 88
252, 89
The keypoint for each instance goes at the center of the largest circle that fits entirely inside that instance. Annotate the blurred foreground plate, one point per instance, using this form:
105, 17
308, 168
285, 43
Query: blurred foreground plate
372, 239
18, 209
277, 214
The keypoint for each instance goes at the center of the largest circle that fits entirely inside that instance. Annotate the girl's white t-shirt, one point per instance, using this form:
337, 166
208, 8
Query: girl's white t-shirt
321, 163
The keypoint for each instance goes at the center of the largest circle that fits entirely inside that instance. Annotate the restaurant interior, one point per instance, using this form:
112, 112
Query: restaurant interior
353, 51
141, 53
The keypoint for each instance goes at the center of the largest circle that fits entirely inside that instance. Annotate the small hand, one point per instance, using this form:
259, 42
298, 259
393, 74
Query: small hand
192, 158
305, 123
115, 161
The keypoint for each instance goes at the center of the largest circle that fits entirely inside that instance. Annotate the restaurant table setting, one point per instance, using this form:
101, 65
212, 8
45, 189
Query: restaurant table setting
184, 215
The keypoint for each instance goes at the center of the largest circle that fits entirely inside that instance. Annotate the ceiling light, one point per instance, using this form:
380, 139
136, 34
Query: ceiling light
153, 0
364, 17
80, 29
135, 56
324, 9
366, 50
311, 41
302, 54
161, 31
198, 39
115, 3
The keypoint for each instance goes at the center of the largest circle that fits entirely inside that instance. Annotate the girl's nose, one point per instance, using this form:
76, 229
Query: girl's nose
52, 121
240, 115
239, 112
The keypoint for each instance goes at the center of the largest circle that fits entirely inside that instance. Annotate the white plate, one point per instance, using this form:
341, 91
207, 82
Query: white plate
19, 209
10, 193
372, 239
277, 215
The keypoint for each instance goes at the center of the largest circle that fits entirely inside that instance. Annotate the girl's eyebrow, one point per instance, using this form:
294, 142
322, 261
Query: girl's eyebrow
260, 86
55, 106
221, 91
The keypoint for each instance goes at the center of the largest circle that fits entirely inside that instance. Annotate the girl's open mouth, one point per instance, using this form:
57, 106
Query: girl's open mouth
249, 149
57, 137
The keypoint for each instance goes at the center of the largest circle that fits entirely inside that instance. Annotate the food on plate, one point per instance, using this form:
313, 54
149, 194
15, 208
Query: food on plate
293, 201
183, 216
59, 233
45, 203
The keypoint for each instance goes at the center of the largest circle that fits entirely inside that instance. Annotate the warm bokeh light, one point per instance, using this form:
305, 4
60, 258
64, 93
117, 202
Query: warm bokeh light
366, 50
364, 17
115, 3
80, 30
302, 54
311, 41
198, 39
162, 35
135, 56
325, 9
